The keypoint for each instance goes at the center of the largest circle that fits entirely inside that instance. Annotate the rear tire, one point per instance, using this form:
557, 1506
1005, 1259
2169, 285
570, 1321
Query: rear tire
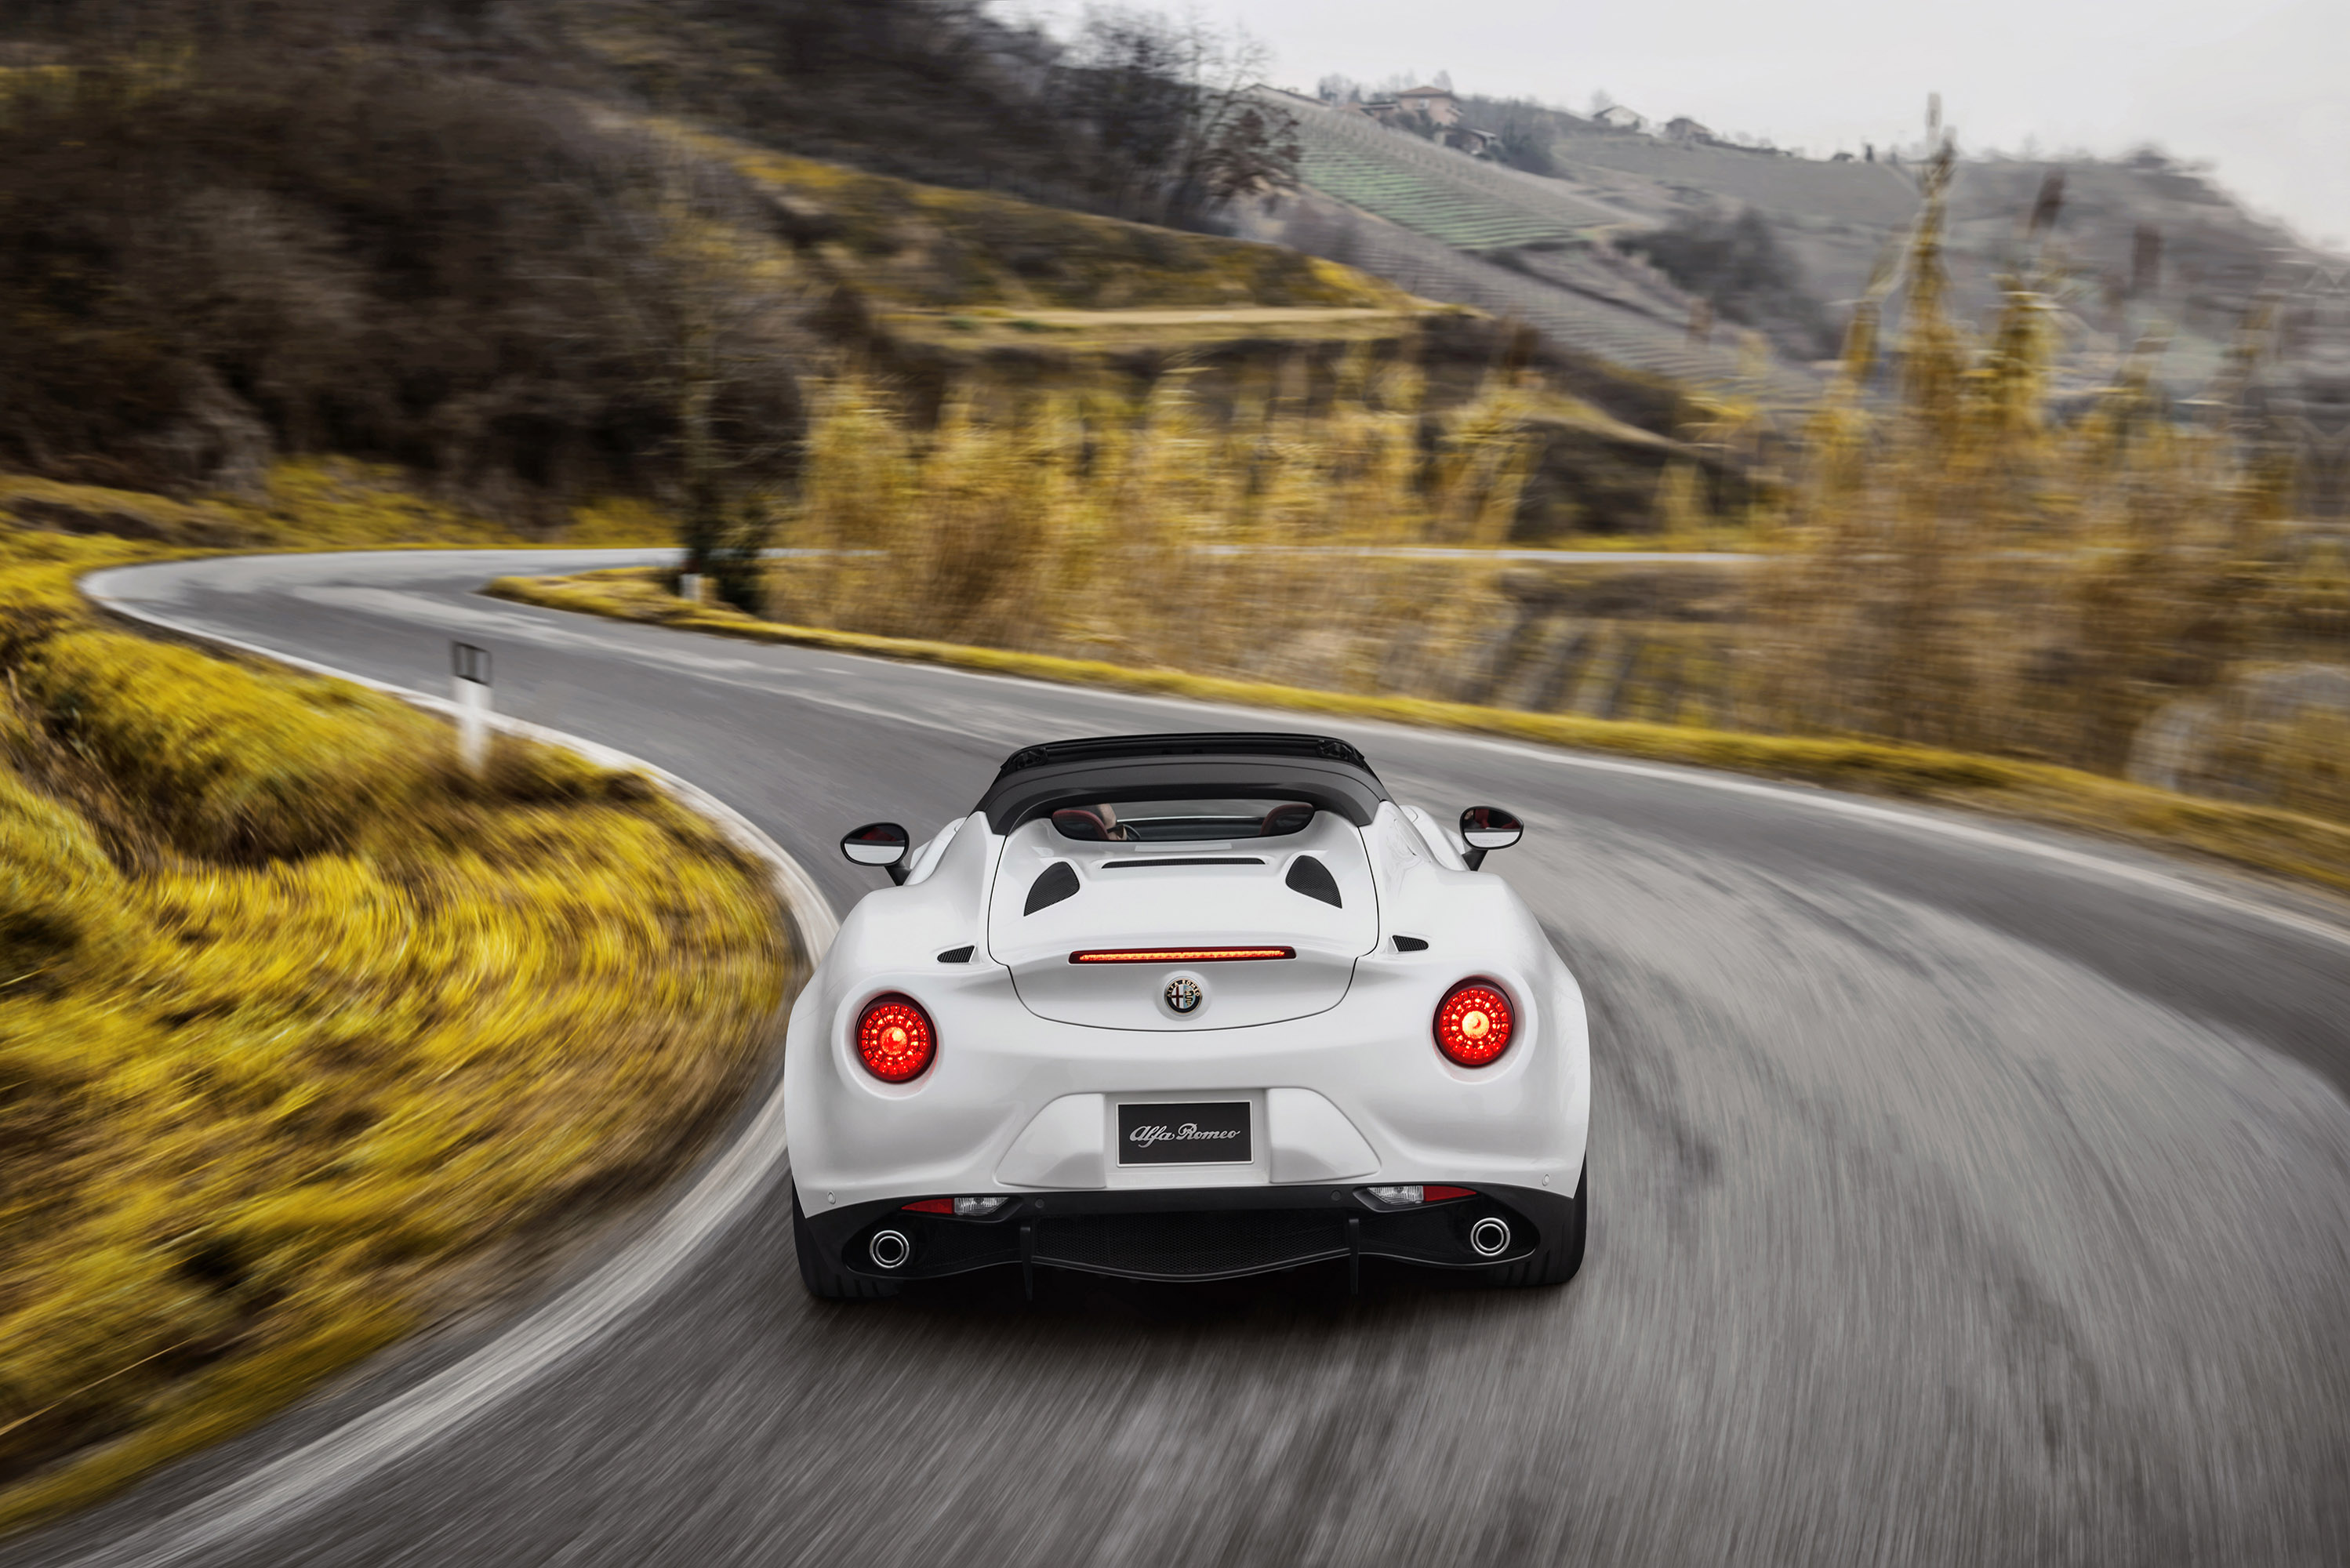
1557, 1262
821, 1273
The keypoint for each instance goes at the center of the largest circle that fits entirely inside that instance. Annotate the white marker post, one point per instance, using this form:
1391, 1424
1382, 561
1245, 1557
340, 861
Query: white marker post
469, 687
688, 587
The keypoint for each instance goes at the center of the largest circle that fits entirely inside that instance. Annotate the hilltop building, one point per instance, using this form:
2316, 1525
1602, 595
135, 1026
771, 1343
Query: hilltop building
1432, 102
1437, 106
1431, 112
1681, 128
1616, 117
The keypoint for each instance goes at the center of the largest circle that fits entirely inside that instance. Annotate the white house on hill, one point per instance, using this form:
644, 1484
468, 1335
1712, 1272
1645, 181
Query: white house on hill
1436, 103
1616, 117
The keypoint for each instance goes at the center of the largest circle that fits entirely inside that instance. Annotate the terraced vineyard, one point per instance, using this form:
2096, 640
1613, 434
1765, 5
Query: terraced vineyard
1435, 190
1443, 224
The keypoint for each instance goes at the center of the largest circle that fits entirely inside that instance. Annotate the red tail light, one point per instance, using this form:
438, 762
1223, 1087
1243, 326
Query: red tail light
1473, 1024
932, 1206
894, 1038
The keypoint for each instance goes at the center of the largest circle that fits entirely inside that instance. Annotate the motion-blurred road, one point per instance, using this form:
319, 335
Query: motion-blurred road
1956, 1201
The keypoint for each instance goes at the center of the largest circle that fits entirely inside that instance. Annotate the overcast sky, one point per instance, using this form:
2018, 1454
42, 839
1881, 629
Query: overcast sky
2259, 88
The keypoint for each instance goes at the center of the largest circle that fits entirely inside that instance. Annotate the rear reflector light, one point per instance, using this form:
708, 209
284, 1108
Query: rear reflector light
1473, 1024
966, 1208
979, 1208
1179, 955
894, 1039
1405, 1197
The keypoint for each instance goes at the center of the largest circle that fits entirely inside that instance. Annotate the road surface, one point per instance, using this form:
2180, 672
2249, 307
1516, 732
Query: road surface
1962, 1194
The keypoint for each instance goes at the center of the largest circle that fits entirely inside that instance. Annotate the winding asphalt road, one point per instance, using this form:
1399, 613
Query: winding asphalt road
1963, 1194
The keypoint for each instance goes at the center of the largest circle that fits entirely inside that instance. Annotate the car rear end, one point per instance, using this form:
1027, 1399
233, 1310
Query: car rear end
1186, 1058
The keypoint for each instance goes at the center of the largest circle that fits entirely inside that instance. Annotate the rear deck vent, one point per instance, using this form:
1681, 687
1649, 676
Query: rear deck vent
1058, 882
1311, 877
1411, 944
955, 955
1184, 860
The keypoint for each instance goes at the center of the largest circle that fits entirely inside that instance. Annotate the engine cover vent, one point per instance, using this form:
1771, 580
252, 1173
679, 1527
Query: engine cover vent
1058, 882
1311, 877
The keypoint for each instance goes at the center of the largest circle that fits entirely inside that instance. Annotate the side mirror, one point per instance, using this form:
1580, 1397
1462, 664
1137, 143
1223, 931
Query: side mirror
881, 843
1488, 827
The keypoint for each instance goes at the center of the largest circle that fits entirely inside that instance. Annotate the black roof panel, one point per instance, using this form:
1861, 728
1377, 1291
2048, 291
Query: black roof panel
1203, 743
1329, 772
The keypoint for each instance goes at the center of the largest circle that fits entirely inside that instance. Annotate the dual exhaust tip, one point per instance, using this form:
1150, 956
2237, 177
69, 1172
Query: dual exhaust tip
1488, 1238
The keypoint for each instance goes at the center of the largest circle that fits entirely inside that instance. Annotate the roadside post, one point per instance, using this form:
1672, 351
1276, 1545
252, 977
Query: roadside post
469, 687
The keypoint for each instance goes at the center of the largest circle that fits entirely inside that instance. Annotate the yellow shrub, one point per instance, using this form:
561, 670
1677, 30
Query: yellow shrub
293, 1013
228, 762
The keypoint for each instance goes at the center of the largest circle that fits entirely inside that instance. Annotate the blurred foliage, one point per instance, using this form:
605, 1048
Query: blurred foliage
1232, 539
1524, 130
1137, 115
900, 244
307, 503
1738, 266
1963, 566
2286, 842
550, 251
213, 260
1956, 565
295, 1014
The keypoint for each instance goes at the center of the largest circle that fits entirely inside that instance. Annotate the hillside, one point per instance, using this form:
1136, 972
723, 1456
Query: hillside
500, 273
1655, 252
525, 273
1517, 245
905, 245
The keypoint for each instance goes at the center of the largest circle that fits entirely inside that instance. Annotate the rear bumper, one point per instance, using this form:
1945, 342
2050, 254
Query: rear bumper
1194, 1233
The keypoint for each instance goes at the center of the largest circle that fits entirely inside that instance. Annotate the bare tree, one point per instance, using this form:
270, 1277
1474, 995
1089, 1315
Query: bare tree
1173, 106
706, 314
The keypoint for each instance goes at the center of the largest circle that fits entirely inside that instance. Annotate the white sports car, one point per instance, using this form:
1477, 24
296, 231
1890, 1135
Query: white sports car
1183, 1007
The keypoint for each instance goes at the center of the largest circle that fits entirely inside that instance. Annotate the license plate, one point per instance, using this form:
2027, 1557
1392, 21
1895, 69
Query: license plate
1213, 1132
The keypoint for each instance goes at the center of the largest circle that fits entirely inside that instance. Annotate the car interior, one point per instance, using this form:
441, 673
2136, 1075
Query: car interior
1181, 821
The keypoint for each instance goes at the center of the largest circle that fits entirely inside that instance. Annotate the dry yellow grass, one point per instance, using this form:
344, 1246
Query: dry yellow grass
1087, 525
296, 1016
1957, 563
2284, 842
1969, 565
309, 503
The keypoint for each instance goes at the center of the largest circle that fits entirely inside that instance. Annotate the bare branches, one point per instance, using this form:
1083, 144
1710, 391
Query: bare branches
1169, 104
482, 283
